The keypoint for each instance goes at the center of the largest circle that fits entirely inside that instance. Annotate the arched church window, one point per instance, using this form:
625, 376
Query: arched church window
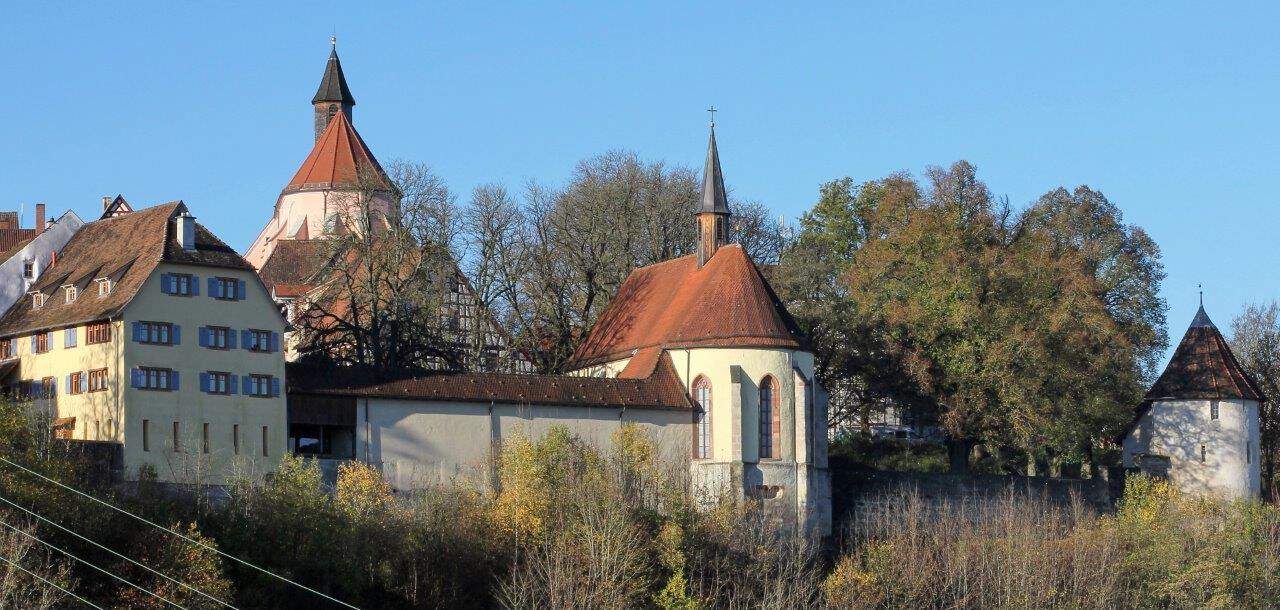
770, 424
333, 109
701, 418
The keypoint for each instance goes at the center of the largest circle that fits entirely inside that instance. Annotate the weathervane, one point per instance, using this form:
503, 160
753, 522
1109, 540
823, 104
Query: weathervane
712, 110
333, 41
1201, 288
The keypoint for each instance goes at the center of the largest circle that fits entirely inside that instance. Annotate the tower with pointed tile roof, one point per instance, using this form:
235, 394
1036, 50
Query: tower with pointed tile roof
713, 208
333, 97
1198, 425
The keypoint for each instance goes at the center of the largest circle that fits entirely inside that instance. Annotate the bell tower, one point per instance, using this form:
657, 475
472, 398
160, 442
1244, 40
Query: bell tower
333, 96
713, 211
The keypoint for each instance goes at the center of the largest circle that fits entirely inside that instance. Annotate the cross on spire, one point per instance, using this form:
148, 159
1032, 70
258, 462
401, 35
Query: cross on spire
333, 42
1201, 288
712, 110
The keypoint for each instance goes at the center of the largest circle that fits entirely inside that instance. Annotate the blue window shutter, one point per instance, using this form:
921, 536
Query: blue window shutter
213, 286
195, 285
176, 334
84, 382
240, 290
204, 336
166, 283
245, 337
173, 380
275, 386
69, 389
204, 382
137, 331
231, 338
232, 388
135, 378
247, 385
275, 342
33, 343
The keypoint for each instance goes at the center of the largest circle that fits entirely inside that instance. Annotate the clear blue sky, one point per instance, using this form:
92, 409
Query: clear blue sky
1170, 111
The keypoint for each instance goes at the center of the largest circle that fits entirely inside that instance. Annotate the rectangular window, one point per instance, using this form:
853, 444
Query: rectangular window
204, 438
235, 438
150, 378
76, 385
260, 386
104, 287
29, 269
6, 349
1204, 451
97, 332
264, 441
217, 382
69, 337
155, 333
71, 294
226, 288
178, 284
177, 436
37, 300
40, 343
257, 340
1213, 410
146, 435
98, 380
216, 337
47, 387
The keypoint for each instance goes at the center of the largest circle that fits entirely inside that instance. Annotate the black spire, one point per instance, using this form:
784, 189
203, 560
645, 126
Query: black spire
714, 199
333, 86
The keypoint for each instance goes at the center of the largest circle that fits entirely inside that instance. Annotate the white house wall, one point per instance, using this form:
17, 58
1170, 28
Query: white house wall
1177, 428
12, 285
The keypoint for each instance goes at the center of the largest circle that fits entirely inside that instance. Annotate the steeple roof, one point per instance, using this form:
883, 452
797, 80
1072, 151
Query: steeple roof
333, 86
1203, 367
714, 198
337, 160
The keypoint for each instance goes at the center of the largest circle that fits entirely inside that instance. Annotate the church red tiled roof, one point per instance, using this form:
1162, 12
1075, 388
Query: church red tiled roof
674, 304
337, 160
1203, 367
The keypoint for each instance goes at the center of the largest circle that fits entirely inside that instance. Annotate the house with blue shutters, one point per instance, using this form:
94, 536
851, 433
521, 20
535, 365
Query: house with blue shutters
170, 347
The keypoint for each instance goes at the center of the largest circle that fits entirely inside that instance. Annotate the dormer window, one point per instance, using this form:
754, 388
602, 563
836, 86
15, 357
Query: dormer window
37, 300
72, 293
29, 269
104, 286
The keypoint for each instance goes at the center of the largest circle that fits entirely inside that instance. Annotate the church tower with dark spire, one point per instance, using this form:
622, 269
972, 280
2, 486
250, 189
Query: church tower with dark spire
333, 96
713, 209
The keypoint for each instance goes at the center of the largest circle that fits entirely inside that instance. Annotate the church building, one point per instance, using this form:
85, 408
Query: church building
1198, 426
698, 351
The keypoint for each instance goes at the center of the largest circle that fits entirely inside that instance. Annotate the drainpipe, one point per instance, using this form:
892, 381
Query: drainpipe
368, 432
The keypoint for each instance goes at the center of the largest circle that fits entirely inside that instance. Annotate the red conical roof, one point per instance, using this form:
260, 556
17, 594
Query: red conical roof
1203, 367
337, 160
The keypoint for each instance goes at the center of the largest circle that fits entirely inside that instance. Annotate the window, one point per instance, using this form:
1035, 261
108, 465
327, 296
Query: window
1203, 452
322, 441
177, 436
29, 269
204, 439
217, 382
235, 438
6, 349
155, 333
701, 418
150, 378
262, 386
258, 340
98, 380
770, 424
104, 286
69, 337
264, 441
1213, 410
75, 385
37, 300
146, 435
40, 343
217, 337
179, 284
97, 332
226, 288
47, 387
71, 294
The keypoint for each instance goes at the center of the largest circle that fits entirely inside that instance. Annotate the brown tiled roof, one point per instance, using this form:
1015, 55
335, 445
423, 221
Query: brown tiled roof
126, 249
1203, 367
12, 240
294, 261
660, 390
337, 159
726, 303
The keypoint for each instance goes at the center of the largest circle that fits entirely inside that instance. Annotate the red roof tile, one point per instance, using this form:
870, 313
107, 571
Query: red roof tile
660, 390
336, 160
675, 304
1203, 367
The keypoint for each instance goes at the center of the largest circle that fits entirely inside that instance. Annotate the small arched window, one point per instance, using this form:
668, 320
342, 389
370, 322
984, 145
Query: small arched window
770, 424
333, 110
701, 418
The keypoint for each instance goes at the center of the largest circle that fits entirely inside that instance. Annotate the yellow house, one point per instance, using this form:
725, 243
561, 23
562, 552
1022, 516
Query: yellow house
150, 332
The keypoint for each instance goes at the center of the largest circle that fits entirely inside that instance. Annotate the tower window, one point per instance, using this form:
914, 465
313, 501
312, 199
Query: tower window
1213, 410
1204, 450
770, 425
701, 418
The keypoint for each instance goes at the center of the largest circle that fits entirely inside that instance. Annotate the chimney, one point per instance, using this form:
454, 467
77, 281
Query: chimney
185, 231
39, 217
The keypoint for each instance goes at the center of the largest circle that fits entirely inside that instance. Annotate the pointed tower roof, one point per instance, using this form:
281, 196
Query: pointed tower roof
336, 160
333, 85
714, 198
1203, 367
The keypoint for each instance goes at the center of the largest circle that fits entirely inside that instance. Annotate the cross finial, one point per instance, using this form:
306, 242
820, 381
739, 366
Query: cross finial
333, 42
1201, 288
712, 110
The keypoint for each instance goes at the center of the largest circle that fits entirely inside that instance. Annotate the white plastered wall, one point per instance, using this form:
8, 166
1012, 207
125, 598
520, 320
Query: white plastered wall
13, 285
1177, 429
315, 207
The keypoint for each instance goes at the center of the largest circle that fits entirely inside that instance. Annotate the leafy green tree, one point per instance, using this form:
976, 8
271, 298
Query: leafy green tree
1255, 341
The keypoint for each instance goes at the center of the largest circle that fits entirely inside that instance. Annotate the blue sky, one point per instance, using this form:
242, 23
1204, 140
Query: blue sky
1169, 110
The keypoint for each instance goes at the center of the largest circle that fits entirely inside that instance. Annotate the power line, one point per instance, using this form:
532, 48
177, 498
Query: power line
109, 550
178, 534
103, 570
50, 583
